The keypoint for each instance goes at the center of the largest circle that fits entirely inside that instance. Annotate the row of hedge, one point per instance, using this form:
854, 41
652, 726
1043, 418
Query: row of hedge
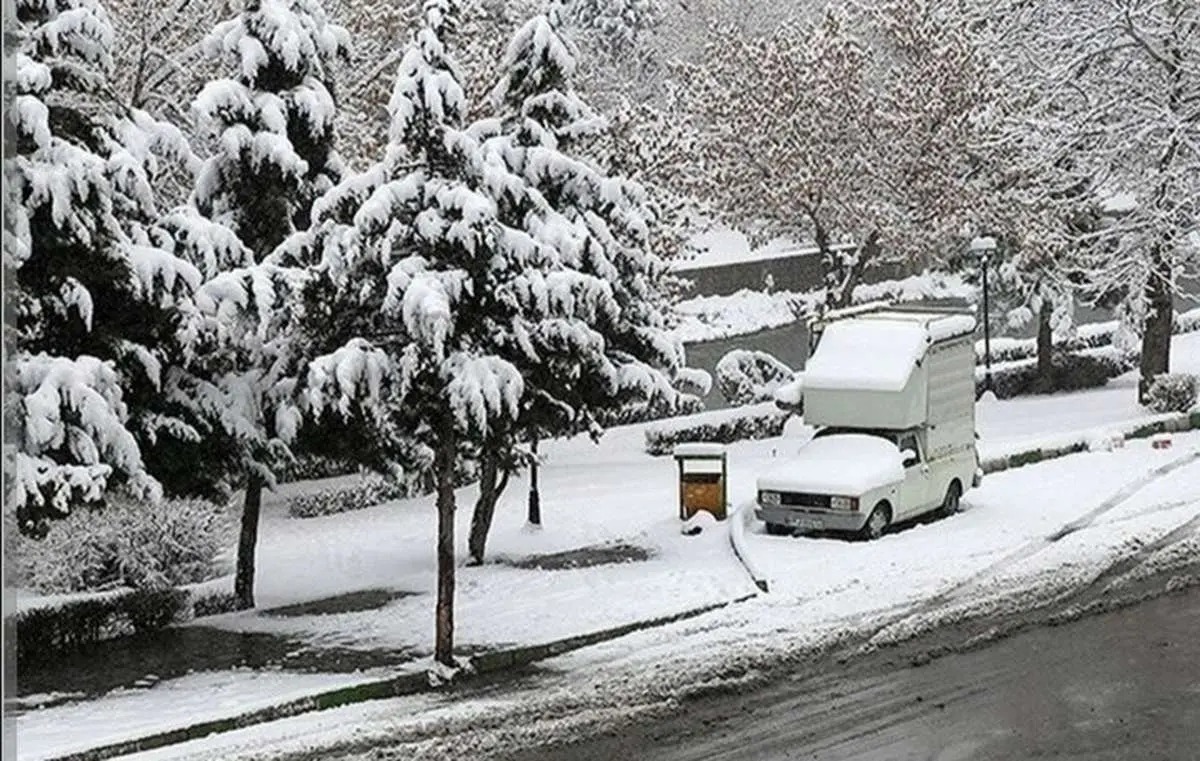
1092, 336
761, 421
1069, 372
372, 490
45, 632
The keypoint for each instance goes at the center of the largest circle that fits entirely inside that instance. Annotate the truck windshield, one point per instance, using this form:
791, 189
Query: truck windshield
892, 436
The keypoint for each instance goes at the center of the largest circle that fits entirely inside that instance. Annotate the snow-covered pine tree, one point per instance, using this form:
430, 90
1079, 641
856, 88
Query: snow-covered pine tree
577, 373
98, 306
271, 124
618, 25
271, 127
415, 264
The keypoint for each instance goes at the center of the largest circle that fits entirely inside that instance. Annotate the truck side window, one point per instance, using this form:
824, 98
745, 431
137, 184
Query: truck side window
909, 441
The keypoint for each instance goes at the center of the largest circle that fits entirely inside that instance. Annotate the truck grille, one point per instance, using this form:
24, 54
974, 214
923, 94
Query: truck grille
797, 499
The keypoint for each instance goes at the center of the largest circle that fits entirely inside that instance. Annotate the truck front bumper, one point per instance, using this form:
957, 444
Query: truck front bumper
804, 519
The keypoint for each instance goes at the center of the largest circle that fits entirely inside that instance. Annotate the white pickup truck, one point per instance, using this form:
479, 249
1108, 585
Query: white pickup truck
892, 393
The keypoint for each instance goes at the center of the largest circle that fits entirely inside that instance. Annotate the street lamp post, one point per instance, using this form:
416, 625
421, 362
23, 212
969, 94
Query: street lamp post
984, 248
535, 498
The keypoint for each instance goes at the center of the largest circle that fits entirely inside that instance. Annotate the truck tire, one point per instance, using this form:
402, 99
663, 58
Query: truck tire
877, 522
952, 502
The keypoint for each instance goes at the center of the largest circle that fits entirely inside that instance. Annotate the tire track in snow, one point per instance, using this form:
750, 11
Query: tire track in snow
1031, 548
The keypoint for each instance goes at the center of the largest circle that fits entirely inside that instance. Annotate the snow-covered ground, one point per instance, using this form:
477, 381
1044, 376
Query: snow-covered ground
708, 318
998, 552
602, 495
723, 245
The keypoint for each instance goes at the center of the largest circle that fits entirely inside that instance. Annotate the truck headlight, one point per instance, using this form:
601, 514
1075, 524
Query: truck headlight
770, 498
843, 503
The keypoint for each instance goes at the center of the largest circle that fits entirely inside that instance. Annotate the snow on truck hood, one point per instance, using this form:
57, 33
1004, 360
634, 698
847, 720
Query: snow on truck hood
848, 464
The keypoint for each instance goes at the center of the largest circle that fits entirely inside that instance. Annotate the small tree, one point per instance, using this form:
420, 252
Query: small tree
609, 352
272, 128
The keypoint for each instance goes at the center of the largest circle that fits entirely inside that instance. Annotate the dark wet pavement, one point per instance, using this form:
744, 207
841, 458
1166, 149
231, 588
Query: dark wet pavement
1115, 687
143, 660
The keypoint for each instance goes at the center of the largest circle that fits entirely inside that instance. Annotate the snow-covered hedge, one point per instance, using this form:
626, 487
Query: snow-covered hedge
1070, 372
51, 626
125, 544
748, 377
1172, 392
759, 421
366, 493
1091, 336
370, 491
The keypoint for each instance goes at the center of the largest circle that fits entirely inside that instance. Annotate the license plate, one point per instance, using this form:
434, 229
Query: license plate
805, 523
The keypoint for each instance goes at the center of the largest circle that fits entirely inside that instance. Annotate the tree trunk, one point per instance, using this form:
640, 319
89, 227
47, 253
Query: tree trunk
1156, 339
485, 506
492, 483
444, 624
1045, 345
243, 585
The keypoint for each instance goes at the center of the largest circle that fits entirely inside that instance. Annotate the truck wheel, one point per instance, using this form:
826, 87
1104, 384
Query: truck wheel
877, 523
776, 529
953, 500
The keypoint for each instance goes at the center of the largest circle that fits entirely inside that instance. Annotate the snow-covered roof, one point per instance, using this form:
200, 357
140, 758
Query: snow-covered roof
843, 464
699, 449
866, 355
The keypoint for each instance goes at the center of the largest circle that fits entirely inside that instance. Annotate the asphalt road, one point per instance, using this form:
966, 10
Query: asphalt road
1124, 685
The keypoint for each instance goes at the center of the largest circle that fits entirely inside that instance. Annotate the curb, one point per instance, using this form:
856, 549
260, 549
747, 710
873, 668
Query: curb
391, 687
741, 516
1169, 423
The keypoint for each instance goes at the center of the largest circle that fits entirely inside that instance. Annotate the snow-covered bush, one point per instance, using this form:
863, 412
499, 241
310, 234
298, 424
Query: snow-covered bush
724, 427
1070, 372
748, 377
371, 491
46, 632
126, 544
1173, 392
1188, 322
357, 496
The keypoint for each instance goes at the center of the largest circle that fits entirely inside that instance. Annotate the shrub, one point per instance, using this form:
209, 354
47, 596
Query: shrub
761, 421
125, 544
1172, 392
151, 609
368, 492
371, 491
748, 377
1069, 372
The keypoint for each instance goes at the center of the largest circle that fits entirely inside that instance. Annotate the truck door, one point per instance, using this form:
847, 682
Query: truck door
914, 492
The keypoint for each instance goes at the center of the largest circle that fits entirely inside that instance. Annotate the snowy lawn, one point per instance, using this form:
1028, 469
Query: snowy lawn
614, 494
